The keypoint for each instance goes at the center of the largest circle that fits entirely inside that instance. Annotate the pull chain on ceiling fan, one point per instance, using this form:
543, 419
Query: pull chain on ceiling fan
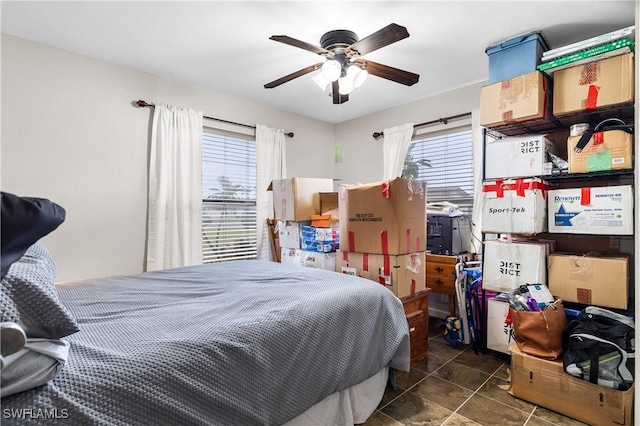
344, 68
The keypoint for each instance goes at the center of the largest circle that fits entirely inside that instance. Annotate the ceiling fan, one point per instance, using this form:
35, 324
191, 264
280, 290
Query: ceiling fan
344, 66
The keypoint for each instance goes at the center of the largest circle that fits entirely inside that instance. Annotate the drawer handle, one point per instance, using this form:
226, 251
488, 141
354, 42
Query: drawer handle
412, 329
439, 269
439, 282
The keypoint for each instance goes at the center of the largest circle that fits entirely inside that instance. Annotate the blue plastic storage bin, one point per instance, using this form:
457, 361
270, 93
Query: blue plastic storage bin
516, 56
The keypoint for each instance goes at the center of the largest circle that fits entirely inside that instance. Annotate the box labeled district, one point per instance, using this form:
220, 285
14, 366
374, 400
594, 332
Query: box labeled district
507, 266
521, 156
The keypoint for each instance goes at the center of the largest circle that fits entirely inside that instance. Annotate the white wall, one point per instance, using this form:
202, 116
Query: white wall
362, 154
71, 134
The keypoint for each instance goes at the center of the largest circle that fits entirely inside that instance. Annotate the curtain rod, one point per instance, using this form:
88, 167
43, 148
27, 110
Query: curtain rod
142, 104
443, 120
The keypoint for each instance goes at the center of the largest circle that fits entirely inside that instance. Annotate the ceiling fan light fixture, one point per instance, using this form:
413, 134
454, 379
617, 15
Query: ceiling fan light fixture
320, 81
358, 75
346, 85
331, 70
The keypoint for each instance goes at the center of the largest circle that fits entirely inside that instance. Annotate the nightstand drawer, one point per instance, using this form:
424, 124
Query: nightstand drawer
418, 335
441, 258
416, 302
444, 285
440, 269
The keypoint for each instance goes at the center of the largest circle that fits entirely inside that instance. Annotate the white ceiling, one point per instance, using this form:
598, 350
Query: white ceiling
225, 46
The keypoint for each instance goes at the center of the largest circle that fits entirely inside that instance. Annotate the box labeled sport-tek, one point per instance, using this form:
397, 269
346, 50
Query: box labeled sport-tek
514, 206
383, 217
545, 383
522, 156
591, 210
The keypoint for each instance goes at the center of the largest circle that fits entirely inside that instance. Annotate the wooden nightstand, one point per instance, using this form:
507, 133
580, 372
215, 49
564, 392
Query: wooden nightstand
441, 275
416, 309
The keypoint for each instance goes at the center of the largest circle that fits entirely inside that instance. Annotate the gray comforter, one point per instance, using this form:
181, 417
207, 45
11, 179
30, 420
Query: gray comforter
234, 343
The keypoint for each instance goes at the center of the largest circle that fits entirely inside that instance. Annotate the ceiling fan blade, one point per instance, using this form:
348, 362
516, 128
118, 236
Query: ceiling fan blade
381, 38
390, 73
337, 97
293, 75
298, 43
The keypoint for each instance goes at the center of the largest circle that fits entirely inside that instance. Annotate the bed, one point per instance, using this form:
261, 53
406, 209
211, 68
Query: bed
235, 343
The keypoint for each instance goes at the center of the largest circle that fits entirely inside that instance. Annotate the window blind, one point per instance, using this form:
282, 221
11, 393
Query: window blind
229, 197
450, 175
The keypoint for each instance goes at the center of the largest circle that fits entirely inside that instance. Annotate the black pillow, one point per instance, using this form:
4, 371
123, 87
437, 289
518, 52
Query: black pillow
24, 221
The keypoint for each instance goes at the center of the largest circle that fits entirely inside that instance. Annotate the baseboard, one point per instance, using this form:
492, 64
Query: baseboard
438, 313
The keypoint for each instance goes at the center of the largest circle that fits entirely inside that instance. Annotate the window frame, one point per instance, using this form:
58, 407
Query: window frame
466, 203
225, 249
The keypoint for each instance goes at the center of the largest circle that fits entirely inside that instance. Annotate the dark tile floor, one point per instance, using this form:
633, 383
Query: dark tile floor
454, 386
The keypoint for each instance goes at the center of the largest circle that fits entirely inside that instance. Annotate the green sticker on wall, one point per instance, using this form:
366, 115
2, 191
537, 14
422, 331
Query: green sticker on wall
337, 153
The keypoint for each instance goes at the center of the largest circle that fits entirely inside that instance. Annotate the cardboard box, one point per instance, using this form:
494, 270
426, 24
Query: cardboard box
289, 233
383, 217
601, 280
523, 156
328, 202
610, 150
515, 56
514, 206
594, 85
543, 382
322, 240
297, 198
309, 259
499, 330
321, 220
507, 266
516, 100
403, 274
604, 210
312, 233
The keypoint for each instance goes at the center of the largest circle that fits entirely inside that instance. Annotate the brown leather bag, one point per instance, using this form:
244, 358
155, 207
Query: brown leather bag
540, 333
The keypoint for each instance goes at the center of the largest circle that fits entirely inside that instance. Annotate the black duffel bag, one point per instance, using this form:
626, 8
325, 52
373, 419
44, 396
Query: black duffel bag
603, 338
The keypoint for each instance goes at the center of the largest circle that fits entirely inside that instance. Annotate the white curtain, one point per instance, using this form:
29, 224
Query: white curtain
271, 158
478, 165
174, 234
394, 150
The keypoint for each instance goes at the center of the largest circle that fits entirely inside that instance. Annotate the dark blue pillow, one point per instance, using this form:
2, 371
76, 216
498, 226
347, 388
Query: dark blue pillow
24, 221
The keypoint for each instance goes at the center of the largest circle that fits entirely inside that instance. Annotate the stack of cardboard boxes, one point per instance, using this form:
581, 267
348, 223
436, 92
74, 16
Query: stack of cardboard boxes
517, 205
296, 202
383, 233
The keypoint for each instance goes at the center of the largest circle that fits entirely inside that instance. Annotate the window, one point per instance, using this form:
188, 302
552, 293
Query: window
445, 162
229, 196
